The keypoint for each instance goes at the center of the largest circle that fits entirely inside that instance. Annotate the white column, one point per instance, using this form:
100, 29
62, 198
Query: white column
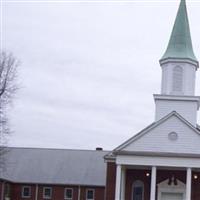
123, 182
118, 183
188, 184
153, 183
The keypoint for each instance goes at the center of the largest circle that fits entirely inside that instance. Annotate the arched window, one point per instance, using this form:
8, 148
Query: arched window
138, 190
177, 79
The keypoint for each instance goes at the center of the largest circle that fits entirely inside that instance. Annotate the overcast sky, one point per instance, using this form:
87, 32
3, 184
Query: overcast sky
88, 70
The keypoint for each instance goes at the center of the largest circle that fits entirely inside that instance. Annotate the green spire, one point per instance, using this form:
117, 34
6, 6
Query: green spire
180, 44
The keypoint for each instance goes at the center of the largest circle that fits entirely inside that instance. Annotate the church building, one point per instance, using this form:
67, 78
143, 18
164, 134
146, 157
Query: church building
162, 162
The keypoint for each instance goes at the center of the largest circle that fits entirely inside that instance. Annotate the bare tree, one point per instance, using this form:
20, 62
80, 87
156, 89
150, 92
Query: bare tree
8, 87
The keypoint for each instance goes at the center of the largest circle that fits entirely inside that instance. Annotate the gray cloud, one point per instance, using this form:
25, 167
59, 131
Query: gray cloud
88, 70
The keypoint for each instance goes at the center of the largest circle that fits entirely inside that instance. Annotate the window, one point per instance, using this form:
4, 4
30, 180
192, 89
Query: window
7, 190
26, 191
47, 192
68, 193
177, 79
138, 190
90, 194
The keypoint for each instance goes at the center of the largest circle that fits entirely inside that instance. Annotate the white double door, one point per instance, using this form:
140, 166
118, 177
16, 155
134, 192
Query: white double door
172, 196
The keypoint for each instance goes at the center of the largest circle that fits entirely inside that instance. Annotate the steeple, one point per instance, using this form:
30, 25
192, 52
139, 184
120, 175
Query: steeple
179, 66
180, 43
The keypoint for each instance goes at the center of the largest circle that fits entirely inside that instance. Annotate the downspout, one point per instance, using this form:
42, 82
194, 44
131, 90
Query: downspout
79, 192
36, 192
2, 191
105, 190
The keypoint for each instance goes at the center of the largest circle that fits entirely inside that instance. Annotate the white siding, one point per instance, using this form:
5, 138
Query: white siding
165, 79
156, 140
187, 109
158, 161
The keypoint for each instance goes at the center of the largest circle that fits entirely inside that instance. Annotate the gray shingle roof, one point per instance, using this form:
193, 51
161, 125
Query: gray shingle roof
55, 166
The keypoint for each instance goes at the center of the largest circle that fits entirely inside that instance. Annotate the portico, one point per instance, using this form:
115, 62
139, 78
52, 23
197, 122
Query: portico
170, 185
161, 166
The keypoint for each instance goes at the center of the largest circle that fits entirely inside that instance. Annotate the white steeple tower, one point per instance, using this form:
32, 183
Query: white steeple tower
179, 66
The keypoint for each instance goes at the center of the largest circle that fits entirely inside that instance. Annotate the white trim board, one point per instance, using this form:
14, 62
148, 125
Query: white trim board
158, 161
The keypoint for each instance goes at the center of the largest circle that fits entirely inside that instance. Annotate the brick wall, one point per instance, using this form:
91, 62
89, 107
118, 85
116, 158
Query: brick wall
16, 192
57, 192
196, 187
110, 181
99, 192
109, 193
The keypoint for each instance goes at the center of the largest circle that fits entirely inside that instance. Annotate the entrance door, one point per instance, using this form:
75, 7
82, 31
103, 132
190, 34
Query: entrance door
137, 193
138, 190
172, 196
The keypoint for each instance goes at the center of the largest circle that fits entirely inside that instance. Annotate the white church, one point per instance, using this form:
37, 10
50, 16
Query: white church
162, 162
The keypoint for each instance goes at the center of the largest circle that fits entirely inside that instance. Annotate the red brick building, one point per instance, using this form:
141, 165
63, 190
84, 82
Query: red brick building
162, 162
37, 174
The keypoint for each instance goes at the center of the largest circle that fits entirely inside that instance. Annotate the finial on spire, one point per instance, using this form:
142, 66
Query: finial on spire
180, 43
